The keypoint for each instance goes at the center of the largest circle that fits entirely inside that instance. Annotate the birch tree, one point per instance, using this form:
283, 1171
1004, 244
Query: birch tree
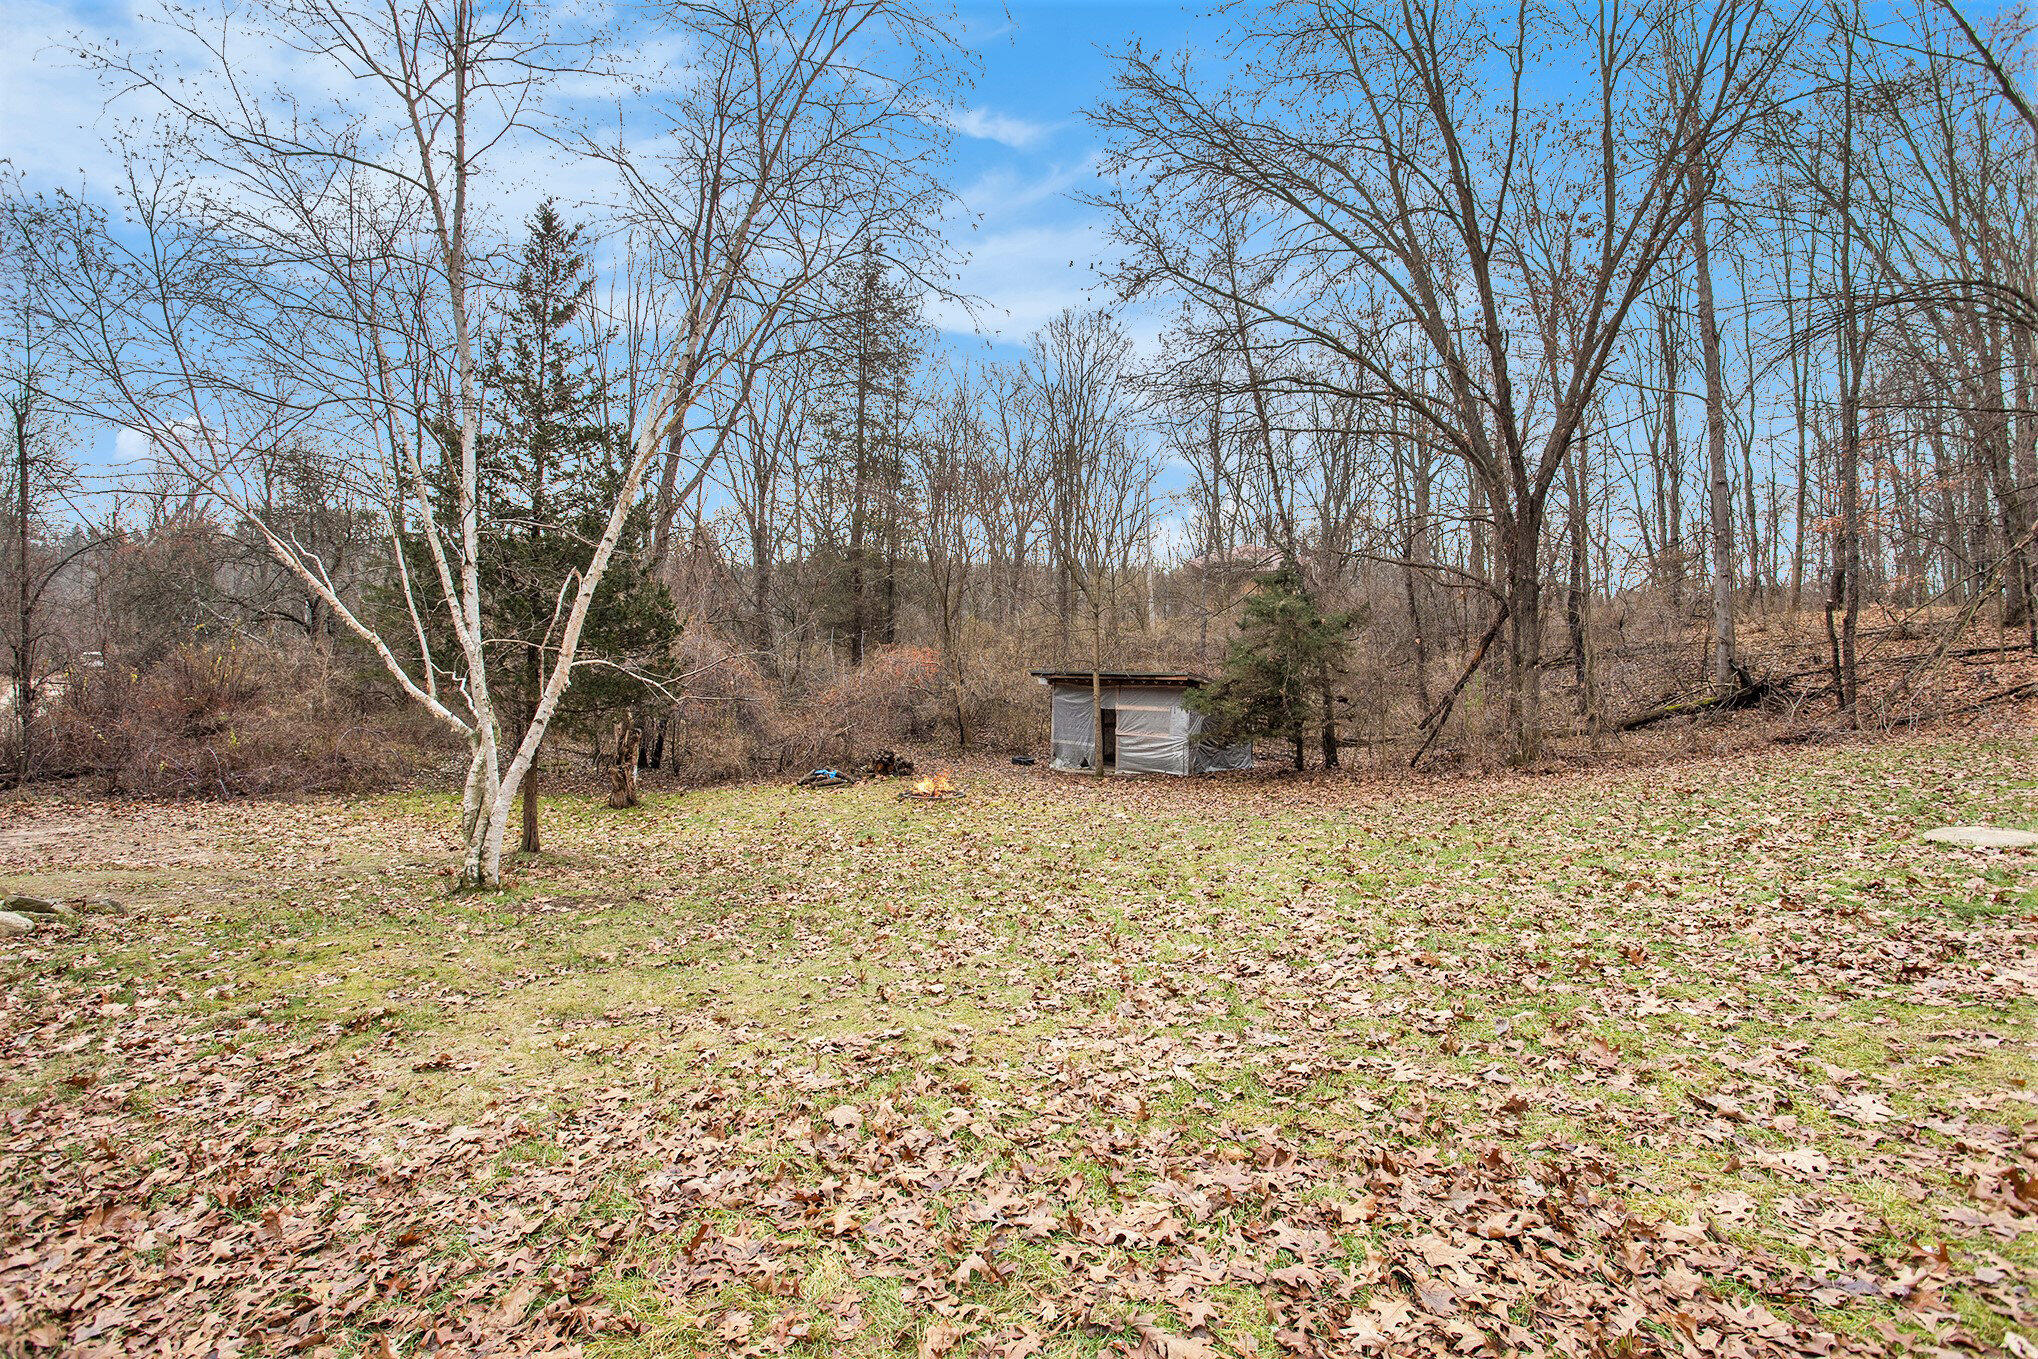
317, 269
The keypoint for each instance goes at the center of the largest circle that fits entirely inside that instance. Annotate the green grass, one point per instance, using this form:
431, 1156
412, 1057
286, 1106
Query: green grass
1597, 963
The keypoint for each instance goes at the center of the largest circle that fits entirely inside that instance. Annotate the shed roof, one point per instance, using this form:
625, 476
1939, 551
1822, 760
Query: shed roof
1159, 679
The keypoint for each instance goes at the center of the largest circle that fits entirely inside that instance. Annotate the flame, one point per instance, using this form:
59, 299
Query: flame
928, 787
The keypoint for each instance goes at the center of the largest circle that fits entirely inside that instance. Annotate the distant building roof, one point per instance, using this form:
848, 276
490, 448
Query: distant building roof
1160, 679
1245, 557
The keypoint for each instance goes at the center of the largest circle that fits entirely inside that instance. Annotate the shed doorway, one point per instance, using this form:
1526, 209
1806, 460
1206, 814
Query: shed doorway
1110, 716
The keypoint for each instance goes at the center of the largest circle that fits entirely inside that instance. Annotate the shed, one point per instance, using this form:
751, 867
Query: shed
1148, 728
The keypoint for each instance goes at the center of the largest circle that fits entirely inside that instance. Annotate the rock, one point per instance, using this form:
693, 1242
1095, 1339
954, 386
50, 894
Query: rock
34, 906
1983, 837
13, 923
37, 908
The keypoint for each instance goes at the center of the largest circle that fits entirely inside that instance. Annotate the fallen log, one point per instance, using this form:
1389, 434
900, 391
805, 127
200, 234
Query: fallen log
2029, 689
1748, 694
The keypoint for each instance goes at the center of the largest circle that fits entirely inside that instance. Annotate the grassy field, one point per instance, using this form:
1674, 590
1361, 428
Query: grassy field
1703, 1057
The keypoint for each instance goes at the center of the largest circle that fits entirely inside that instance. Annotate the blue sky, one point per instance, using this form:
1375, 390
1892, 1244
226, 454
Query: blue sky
1022, 147
1027, 146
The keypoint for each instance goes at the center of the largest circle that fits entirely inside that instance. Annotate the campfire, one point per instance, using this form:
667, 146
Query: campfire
935, 788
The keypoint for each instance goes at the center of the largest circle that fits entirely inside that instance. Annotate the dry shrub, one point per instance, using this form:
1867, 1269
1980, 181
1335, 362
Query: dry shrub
237, 719
1004, 707
721, 730
712, 754
893, 698
734, 722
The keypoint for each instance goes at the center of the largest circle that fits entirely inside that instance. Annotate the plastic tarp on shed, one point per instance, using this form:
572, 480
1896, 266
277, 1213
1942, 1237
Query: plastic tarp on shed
1156, 732
1207, 757
1150, 731
1073, 731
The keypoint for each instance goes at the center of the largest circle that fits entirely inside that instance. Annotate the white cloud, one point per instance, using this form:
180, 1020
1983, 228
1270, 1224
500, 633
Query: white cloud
1002, 191
1003, 128
50, 105
1025, 275
983, 37
57, 116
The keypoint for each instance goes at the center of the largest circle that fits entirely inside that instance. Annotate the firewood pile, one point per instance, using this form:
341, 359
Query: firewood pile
886, 764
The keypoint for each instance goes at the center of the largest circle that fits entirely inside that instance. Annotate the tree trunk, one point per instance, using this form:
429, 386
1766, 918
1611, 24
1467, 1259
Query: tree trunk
481, 868
2024, 373
1577, 603
1721, 501
1097, 691
859, 492
1415, 626
1851, 357
1203, 610
1328, 730
1845, 594
1415, 554
528, 843
888, 629
1670, 476
24, 648
760, 588
623, 766
1525, 637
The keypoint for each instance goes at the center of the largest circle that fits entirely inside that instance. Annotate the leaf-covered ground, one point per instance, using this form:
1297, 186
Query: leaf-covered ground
1708, 1057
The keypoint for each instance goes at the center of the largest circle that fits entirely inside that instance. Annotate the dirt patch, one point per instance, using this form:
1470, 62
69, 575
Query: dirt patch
42, 837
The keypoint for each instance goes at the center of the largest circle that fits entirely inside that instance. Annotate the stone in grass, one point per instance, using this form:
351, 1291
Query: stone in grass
1983, 837
37, 906
13, 923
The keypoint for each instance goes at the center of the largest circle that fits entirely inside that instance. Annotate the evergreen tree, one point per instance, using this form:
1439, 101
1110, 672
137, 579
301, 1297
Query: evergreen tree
1276, 675
873, 336
551, 459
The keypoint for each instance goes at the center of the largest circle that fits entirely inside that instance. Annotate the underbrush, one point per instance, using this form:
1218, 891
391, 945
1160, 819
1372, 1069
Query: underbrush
265, 717
234, 720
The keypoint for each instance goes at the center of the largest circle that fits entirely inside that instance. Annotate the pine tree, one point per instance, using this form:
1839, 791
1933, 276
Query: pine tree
550, 462
873, 335
1274, 676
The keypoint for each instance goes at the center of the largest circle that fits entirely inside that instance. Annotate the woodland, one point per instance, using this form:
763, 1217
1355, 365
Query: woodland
473, 470
1565, 374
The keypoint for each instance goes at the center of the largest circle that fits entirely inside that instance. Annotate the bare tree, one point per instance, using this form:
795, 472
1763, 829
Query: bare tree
1986, 56
347, 237
1719, 497
950, 521
1012, 483
1403, 147
1100, 488
43, 476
